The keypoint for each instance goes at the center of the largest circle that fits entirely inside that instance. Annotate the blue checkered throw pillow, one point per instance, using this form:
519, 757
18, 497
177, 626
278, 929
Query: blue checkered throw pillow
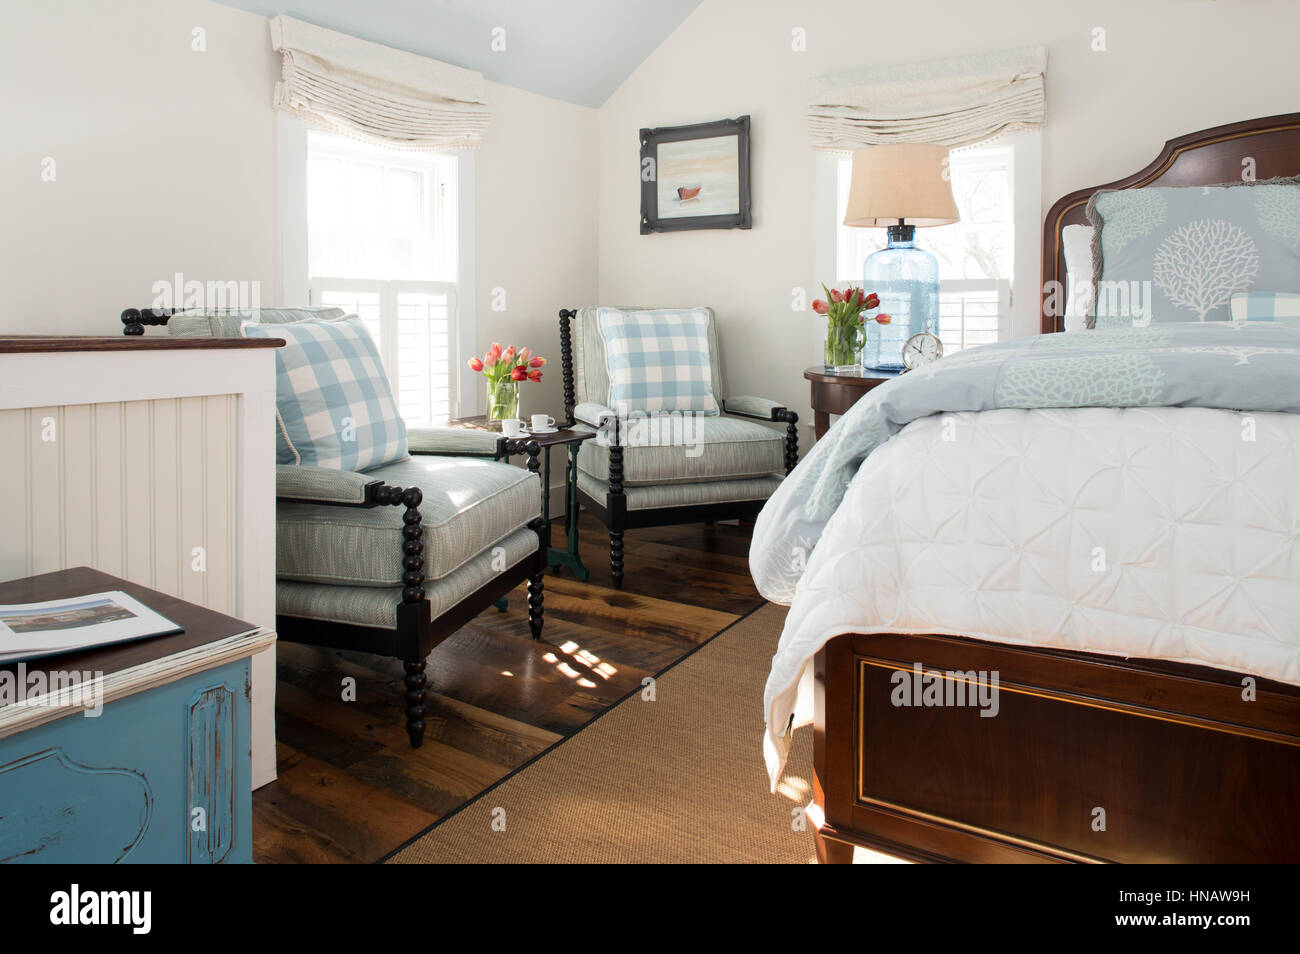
1265, 306
333, 404
658, 360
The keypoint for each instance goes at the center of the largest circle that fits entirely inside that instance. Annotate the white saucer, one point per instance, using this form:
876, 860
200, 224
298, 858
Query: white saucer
546, 430
516, 437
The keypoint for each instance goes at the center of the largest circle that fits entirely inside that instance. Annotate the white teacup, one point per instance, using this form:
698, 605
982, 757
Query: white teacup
512, 427
543, 422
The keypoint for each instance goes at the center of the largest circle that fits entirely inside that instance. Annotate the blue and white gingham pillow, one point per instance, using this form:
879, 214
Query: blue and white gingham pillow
1265, 306
333, 404
658, 360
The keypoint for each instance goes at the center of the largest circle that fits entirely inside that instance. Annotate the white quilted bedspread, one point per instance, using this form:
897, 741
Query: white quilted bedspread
1164, 533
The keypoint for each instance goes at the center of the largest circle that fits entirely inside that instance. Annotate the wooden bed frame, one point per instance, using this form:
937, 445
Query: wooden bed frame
1091, 758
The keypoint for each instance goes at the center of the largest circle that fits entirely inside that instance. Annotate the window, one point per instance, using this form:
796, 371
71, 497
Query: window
976, 255
382, 242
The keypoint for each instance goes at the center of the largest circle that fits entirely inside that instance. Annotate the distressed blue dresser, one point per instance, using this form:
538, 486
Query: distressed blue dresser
162, 772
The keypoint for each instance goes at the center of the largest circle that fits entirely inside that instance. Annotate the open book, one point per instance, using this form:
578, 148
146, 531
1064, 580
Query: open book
28, 630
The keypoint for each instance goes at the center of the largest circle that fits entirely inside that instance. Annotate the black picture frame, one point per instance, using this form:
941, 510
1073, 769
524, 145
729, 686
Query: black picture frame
651, 139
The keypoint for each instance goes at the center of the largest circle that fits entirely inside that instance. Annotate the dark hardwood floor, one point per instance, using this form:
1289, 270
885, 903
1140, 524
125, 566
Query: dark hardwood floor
351, 789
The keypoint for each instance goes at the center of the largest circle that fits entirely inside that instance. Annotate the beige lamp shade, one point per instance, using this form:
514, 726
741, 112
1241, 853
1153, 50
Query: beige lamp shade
906, 181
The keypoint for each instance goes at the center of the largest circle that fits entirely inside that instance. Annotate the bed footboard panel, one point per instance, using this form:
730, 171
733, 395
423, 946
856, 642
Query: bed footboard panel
940, 748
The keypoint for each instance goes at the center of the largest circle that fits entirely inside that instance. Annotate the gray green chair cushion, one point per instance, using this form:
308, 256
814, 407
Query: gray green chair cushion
752, 406
377, 606
301, 482
469, 505
676, 450
216, 325
430, 439
684, 494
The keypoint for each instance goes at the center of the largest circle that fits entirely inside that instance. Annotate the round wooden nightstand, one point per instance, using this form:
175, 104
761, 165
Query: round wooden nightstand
834, 393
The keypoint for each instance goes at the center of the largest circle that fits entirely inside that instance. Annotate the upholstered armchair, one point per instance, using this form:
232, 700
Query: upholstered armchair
393, 559
645, 471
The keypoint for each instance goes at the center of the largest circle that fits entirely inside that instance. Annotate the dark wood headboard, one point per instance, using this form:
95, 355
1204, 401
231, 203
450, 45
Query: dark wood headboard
1208, 157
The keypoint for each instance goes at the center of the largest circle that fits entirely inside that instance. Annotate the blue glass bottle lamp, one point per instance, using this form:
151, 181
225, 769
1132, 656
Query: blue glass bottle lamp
901, 187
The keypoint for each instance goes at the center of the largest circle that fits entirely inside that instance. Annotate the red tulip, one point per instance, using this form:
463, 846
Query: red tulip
537, 362
820, 306
871, 301
883, 319
475, 364
518, 374
836, 295
534, 375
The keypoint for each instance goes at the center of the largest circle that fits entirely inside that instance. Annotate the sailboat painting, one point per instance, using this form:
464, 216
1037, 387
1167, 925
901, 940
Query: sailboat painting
699, 177
695, 177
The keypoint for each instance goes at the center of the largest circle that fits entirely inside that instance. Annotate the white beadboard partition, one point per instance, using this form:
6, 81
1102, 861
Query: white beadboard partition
153, 464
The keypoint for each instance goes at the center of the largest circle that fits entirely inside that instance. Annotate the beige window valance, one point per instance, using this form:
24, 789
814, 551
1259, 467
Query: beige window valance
952, 102
376, 93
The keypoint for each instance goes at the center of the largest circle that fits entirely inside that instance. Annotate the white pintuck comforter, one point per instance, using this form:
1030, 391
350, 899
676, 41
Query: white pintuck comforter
1164, 533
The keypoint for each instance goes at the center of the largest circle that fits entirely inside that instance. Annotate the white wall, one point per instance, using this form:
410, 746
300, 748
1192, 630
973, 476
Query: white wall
537, 175
164, 157
1171, 67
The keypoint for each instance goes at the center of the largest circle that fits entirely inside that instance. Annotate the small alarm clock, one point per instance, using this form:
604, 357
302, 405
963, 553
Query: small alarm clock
921, 349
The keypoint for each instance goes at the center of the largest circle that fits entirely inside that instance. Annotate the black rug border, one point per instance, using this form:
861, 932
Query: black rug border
555, 745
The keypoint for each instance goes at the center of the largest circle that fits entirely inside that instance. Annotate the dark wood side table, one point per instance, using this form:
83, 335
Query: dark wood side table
834, 393
567, 556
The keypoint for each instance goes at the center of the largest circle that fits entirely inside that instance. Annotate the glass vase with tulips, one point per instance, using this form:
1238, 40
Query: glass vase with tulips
503, 370
844, 321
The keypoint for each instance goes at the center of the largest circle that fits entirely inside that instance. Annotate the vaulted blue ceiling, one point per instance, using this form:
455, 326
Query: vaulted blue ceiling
574, 50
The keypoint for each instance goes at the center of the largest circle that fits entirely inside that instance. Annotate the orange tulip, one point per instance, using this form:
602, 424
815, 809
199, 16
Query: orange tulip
883, 319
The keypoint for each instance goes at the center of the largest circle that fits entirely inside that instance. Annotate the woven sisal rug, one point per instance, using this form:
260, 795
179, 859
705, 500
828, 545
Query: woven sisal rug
673, 780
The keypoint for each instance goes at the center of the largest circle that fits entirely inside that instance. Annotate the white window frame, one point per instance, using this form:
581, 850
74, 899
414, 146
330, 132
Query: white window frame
1022, 301
295, 284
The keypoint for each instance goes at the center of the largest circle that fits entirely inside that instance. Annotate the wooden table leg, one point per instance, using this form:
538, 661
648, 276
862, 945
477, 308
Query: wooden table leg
569, 555
821, 423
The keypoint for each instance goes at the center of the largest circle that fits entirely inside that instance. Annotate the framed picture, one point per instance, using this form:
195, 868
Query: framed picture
695, 177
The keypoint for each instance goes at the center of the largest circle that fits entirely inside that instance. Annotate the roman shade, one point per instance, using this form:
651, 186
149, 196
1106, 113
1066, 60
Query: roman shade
372, 92
952, 102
